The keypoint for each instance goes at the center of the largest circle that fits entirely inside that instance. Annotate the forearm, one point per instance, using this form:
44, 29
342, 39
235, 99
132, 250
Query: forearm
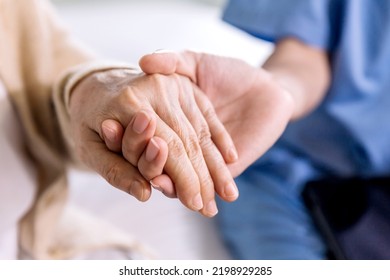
303, 71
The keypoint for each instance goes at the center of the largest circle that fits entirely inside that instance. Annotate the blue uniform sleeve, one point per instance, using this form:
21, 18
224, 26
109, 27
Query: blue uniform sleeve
310, 21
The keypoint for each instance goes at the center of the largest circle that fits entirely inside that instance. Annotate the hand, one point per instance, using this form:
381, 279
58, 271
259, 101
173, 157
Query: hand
254, 108
194, 162
155, 149
142, 128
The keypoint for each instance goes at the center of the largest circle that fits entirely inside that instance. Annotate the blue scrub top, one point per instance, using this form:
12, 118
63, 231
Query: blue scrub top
349, 133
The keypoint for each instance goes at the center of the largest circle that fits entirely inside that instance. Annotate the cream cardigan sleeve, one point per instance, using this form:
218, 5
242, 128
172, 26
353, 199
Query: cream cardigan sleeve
39, 65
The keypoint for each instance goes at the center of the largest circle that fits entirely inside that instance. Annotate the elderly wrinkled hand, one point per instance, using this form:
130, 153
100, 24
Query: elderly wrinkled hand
252, 106
167, 124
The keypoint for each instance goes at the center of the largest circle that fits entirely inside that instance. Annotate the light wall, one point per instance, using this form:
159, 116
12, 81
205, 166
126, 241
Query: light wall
127, 29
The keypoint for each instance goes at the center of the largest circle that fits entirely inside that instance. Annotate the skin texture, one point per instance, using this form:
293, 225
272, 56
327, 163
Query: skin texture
161, 119
254, 104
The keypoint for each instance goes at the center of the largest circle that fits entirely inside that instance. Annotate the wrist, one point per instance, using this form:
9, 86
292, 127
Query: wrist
77, 75
280, 94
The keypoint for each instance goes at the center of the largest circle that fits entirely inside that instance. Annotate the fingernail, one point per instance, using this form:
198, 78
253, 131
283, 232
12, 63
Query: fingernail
155, 186
197, 202
232, 154
152, 150
162, 51
108, 132
137, 190
231, 190
211, 208
141, 122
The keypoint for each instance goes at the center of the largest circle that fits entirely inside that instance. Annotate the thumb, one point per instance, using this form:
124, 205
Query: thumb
112, 167
167, 63
112, 132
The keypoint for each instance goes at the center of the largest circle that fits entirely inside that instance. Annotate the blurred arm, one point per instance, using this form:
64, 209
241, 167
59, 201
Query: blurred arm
303, 71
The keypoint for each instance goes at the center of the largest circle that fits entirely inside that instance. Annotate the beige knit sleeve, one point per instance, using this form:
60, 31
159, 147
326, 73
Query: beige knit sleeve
40, 62
47, 64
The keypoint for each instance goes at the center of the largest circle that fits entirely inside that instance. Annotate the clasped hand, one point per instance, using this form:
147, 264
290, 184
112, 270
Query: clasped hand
134, 128
191, 124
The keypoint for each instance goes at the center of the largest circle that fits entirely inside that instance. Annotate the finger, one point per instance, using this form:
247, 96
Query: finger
220, 174
186, 64
153, 159
178, 165
165, 185
180, 169
112, 167
137, 135
219, 134
159, 63
151, 164
169, 63
112, 132
176, 119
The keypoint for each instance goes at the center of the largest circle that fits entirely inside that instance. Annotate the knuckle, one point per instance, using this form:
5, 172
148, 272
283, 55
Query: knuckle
196, 155
126, 96
193, 149
206, 182
127, 101
176, 126
158, 80
162, 90
182, 82
187, 194
176, 147
209, 113
165, 85
204, 135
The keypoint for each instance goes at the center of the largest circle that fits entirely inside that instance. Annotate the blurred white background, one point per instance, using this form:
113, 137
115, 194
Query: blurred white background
125, 30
